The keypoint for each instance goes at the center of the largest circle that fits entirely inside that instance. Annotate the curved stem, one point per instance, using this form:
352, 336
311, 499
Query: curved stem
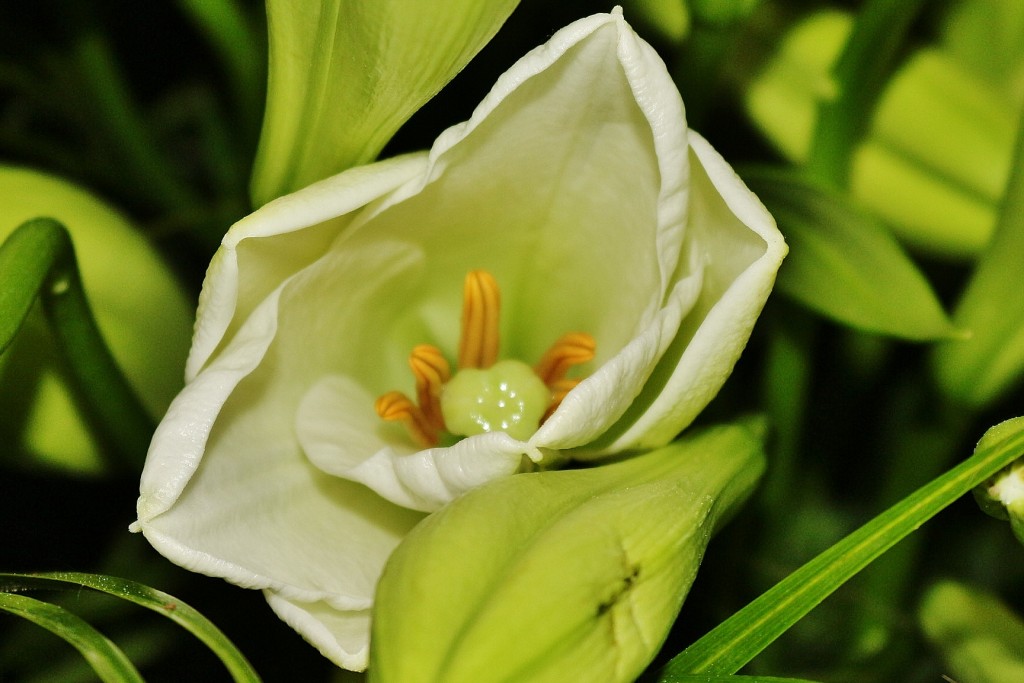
38, 261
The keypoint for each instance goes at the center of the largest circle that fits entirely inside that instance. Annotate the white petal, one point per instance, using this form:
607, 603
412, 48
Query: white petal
259, 515
601, 399
742, 249
343, 636
180, 439
262, 250
582, 230
342, 435
227, 491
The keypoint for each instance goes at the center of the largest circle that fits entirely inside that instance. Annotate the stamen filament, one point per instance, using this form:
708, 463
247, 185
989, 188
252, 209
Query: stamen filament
489, 395
395, 405
481, 302
570, 349
432, 373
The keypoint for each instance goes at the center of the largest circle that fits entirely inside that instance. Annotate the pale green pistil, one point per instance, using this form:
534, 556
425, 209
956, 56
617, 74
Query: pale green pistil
506, 397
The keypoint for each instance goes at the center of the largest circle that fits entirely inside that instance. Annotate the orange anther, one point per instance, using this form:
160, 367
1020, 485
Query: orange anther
481, 302
570, 349
395, 405
432, 372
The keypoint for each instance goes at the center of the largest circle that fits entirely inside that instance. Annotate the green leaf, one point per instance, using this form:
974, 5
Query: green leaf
38, 259
150, 598
981, 640
844, 264
109, 663
736, 641
978, 370
345, 74
554, 576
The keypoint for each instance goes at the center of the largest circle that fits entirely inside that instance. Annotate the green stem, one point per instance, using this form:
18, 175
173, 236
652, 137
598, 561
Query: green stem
38, 261
735, 642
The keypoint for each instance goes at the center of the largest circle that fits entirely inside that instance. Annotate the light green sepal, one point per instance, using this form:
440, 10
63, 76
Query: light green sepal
345, 74
556, 576
144, 315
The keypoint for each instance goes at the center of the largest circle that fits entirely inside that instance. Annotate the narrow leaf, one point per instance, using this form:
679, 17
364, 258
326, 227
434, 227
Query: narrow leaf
736, 641
554, 576
844, 264
109, 663
150, 598
345, 74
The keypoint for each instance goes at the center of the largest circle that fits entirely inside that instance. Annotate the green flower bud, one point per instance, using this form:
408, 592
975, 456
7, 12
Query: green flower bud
1002, 494
558, 576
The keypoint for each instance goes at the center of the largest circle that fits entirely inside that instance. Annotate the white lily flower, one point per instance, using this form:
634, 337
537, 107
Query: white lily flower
578, 187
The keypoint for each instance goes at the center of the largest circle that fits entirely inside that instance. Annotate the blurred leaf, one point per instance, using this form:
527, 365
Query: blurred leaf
117, 115
109, 663
141, 310
150, 598
980, 639
864, 66
669, 18
38, 259
785, 97
935, 157
844, 264
736, 641
988, 36
705, 678
938, 156
555, 576
721, 12
976, 371
229, 30
345, 74
142, 646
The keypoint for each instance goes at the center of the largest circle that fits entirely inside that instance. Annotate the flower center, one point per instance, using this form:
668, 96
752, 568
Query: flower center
484, 395
505, 397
